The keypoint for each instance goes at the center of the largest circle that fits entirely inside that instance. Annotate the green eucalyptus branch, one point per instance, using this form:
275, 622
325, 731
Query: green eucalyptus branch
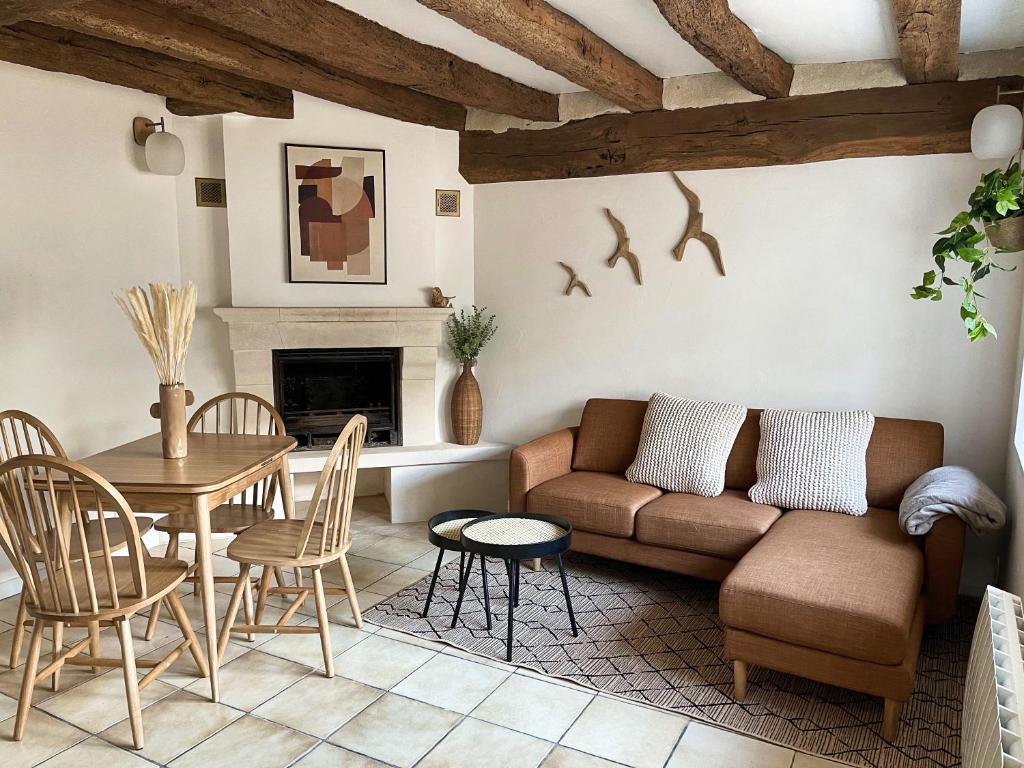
469, 333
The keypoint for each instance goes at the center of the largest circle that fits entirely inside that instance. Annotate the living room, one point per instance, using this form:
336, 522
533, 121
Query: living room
544, 263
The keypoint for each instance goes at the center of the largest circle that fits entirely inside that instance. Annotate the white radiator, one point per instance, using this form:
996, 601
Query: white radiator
993, 731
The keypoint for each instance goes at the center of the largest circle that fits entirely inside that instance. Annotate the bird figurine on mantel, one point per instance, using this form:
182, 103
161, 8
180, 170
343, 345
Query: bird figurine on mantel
439, 300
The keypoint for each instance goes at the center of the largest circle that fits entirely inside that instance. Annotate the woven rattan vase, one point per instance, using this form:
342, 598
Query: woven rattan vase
467, 408
1009, 236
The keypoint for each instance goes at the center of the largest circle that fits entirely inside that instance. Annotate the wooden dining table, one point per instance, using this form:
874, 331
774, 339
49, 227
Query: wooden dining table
217, 468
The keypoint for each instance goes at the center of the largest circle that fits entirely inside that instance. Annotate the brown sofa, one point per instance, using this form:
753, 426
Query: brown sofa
832, 597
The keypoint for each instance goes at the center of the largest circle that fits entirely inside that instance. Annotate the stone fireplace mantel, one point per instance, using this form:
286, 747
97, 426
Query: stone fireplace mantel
255, 332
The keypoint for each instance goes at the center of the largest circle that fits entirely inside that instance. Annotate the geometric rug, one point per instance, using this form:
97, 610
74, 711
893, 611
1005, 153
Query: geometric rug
655, 637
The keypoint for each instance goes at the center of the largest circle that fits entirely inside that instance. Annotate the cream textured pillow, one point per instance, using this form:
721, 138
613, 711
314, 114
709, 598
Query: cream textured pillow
813, 460
685, 444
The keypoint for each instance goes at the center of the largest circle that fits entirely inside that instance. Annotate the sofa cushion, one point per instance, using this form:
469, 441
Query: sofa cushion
599, 502
842, 584
724, 526
609, 435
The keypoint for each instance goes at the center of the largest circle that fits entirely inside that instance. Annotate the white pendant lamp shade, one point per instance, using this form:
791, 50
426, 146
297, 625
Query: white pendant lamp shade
996, 132
165, 154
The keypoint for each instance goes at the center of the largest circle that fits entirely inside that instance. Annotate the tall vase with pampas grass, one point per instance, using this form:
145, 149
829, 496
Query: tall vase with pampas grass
163, 321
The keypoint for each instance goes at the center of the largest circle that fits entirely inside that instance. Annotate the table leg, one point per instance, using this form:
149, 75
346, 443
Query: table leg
487, 598
510, 568
284, 480
568, 601
433, 582
204, 558
463, 581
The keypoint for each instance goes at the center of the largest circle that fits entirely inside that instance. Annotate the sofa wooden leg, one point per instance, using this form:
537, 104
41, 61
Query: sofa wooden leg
891, 719
739, 674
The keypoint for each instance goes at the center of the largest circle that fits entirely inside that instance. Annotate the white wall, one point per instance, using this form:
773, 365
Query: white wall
815, 311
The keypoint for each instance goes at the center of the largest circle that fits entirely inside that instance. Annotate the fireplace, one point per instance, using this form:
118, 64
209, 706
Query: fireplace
317, 390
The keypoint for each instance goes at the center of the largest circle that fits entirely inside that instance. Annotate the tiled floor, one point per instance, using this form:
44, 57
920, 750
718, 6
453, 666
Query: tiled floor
395, 700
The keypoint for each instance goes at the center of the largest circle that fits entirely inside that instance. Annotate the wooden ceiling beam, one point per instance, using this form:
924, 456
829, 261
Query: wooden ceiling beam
559, 43
191, 108
722, 38
906, 120
929, 35
13, 11
57, 50
337, 37
185, 36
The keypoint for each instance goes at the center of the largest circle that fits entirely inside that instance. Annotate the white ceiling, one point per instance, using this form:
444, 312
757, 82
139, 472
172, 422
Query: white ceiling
801, 31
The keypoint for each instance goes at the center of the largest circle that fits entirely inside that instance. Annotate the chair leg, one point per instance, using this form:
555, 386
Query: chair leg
28, 682
58, 645
170, 553
739, 678
19, 630
131, 680
322, 621
94, 644
236, 598
261, 598
248, 609
178, 610
433, 582
350, 590
891, 719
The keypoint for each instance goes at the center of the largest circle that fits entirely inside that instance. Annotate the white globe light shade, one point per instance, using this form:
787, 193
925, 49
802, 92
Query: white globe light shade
165, 154
996, 132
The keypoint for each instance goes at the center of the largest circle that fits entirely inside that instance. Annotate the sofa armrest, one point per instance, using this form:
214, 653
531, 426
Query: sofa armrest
537, 462
943, 558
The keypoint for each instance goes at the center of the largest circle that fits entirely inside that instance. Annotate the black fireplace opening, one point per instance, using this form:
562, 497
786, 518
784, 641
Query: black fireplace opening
318, 390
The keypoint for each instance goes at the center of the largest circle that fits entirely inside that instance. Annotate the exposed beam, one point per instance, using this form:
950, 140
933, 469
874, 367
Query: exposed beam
191, 108
929, 34
175, 33
559, 43
57, 50
907, 120
330, 34
13, 11
722, 38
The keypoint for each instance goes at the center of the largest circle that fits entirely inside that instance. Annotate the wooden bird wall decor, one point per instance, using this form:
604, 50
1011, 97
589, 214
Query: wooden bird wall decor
574, 281
439, 300
622, 250
695, 228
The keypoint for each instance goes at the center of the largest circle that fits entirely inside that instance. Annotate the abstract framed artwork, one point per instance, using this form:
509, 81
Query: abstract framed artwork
337, 230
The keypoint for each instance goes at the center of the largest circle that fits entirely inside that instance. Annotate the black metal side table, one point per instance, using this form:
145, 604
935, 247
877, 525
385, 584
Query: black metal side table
513, 538
444, 532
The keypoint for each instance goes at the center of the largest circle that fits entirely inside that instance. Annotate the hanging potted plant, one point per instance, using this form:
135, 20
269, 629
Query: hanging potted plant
997, 205
467, 335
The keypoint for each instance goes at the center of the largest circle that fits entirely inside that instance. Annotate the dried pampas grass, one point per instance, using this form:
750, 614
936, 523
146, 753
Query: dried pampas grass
164, 326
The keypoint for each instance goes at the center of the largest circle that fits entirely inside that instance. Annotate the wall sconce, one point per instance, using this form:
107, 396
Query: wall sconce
165, 154
997, 131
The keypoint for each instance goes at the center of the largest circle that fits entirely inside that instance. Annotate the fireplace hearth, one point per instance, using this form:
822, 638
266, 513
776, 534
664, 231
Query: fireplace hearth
318, 390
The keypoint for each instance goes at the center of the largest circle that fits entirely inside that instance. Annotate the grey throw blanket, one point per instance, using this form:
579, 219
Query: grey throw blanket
950, 491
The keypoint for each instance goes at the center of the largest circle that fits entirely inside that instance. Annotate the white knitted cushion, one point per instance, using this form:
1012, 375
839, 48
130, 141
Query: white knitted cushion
813, 460
685, 444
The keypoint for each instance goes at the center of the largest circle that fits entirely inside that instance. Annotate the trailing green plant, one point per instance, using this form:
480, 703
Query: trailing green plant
469, 333
999, 196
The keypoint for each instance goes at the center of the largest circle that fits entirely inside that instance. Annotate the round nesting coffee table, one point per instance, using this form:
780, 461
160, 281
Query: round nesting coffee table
444, 532
516, 537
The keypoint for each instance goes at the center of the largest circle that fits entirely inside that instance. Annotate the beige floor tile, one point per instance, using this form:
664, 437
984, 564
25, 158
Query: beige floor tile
394, 549
562, 757
451, 683
341, 612
9, 609
252, 679
319, 705
184, 671
364, 572
8, 706
398, 580
718, 748
363, 540
194, 608
534, 707
246, 743
305, 649
475, 742
330, 756
45, 736
380, 661
636, 736
429, 560
98, 704
461, 653
174, 725
809, 761
165, 634
70, 677
396, 730
95, 752
422, 642
414, 531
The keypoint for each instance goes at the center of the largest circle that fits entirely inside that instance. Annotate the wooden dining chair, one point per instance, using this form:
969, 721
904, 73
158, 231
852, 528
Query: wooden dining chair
234, 413
316, 542
43, 503
22, 434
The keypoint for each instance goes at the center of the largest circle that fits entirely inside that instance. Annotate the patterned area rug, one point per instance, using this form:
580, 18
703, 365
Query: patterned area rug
655, 637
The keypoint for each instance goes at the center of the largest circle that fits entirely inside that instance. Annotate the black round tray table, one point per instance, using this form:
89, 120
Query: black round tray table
444, 532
